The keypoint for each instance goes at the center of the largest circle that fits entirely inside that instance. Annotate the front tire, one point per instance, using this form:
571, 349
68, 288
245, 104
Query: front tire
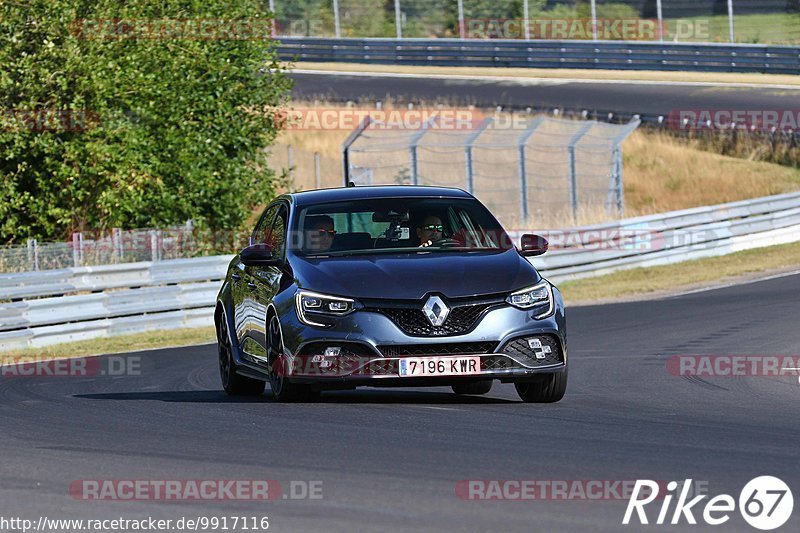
282, 389
233, 383
547, 388
476, 387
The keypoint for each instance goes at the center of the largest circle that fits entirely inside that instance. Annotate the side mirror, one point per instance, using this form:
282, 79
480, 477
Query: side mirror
258, 255
533, 245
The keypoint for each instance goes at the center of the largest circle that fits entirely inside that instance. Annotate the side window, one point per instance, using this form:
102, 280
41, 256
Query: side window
277, 236
264, 224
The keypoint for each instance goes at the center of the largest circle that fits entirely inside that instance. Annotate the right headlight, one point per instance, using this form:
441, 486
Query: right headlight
538, 298
310, 304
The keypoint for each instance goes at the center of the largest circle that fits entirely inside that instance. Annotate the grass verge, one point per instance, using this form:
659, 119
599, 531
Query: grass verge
150, 340
681, 277
721, 78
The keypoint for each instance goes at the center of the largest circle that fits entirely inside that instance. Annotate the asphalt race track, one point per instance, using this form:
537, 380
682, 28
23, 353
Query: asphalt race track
390, 459
649, 99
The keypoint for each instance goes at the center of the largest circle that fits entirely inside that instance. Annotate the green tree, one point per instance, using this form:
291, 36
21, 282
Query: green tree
159, 127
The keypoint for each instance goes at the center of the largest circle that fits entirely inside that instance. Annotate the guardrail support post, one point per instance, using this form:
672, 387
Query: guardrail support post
337, 29
398, 26
77, 249
730, 22
153, 245
116, 241
523, 177
461, 29
33, 254
526, 20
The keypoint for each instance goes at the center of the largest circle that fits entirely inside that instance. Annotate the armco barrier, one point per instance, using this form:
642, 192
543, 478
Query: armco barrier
47, 307
676, 236
617, 55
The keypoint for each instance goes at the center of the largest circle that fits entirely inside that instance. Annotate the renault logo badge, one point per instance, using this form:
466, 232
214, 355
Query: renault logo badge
436, 311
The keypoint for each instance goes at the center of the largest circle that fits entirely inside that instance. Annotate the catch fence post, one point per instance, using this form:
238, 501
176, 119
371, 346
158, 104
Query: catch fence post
523, 171
573, 168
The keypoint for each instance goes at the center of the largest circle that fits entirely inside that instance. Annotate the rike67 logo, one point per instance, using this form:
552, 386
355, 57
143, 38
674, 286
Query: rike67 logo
765, 503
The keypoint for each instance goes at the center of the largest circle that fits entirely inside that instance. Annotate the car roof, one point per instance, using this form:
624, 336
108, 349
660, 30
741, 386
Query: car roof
339, 194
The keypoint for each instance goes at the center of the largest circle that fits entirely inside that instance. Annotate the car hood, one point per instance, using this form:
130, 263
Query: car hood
412, 276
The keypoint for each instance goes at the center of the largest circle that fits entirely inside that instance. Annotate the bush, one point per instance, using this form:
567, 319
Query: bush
118, 125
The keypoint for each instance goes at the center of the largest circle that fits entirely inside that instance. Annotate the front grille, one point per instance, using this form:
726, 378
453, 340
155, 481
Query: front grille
455, 348
412, 320
548, 354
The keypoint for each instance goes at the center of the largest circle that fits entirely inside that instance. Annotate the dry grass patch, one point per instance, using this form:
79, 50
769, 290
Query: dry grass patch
663, 173
681, 276
150, 340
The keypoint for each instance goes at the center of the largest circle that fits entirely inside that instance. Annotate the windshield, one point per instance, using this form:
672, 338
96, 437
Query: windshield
398, 225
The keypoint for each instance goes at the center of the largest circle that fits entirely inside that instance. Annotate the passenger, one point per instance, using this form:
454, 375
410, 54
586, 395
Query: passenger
430, 230
319, 233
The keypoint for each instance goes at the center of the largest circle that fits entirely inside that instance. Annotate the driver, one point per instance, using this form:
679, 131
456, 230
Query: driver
430, 230
319, 233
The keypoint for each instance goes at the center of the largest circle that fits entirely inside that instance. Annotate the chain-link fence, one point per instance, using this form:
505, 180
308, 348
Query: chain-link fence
525, 169
736, 21
116, 246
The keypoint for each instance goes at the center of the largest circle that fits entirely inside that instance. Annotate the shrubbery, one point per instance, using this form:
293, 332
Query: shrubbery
101, 126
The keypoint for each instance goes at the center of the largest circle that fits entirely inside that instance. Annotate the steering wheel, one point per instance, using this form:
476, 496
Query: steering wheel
445, 243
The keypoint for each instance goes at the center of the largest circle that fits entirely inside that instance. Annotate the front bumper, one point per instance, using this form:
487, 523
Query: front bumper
372, 346
384, 372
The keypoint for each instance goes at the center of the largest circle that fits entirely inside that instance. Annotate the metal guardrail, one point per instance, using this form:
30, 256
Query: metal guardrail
670, 237
618, 55
47, 307
55, 306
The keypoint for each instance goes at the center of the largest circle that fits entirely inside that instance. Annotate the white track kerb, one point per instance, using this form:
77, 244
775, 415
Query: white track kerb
49, 307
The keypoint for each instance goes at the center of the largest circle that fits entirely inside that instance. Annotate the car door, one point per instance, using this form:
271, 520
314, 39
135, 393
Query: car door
263, 282
246, 309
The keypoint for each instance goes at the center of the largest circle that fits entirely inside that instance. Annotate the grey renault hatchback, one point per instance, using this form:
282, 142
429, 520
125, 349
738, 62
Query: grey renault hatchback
384, 287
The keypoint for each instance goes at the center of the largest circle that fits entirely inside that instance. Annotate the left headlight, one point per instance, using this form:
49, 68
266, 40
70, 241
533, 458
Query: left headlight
309, 304
538, 298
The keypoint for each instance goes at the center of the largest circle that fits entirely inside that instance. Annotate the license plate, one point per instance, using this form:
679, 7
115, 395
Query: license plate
440, 366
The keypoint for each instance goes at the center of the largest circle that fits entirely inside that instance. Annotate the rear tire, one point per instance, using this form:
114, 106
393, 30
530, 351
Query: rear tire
547, 388
233, 383
476, 387
282, 389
